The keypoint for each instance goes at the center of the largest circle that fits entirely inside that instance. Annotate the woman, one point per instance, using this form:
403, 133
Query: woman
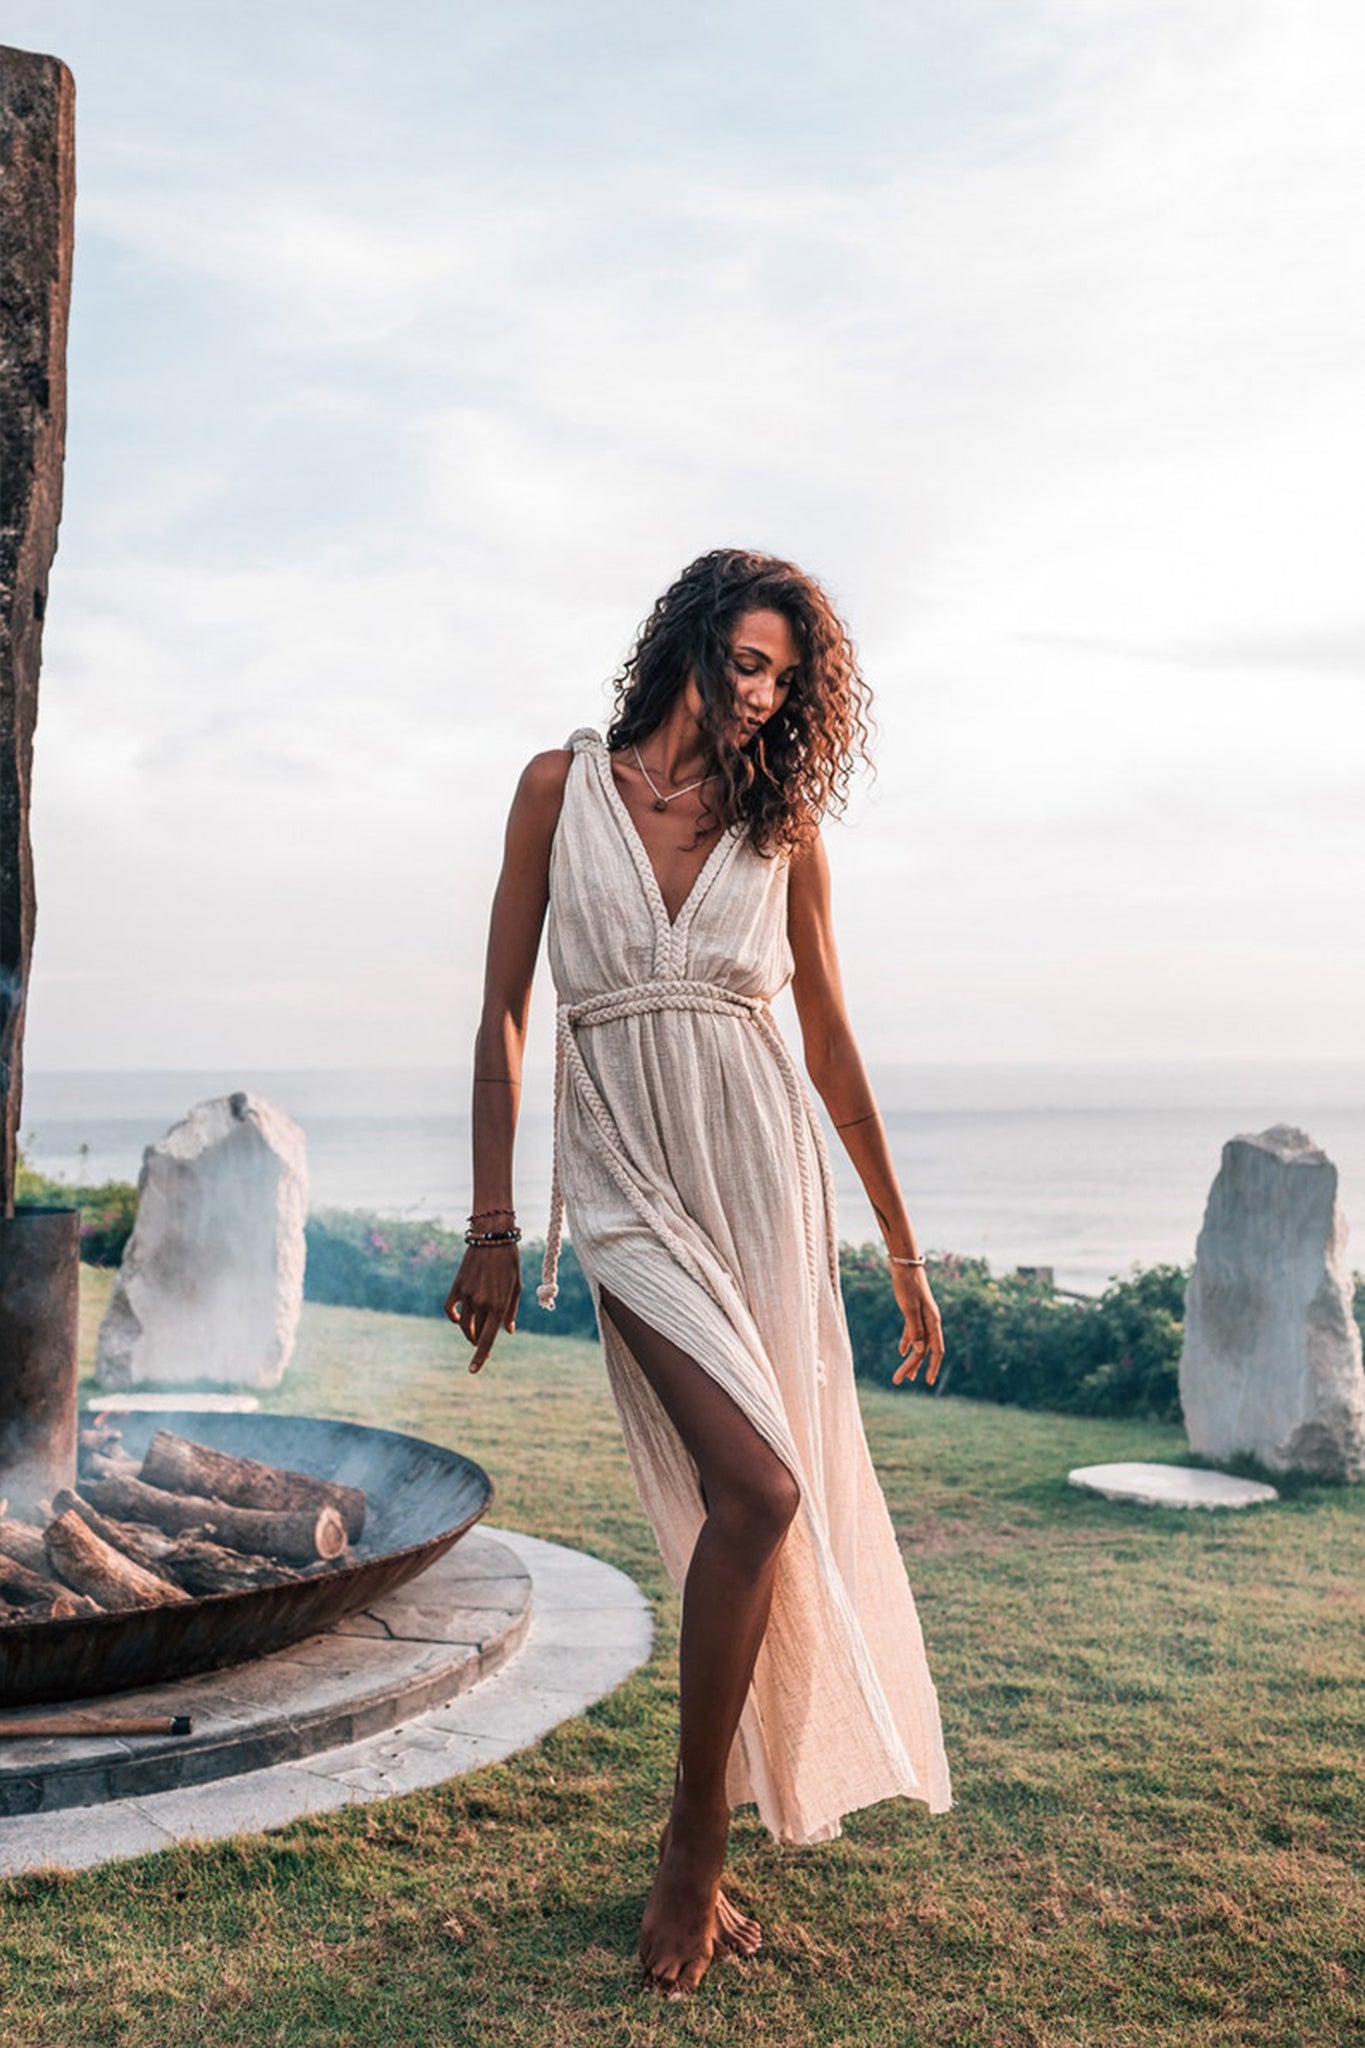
686, 883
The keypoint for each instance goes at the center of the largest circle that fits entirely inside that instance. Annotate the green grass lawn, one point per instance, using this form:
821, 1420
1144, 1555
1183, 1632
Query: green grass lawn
1153, 1720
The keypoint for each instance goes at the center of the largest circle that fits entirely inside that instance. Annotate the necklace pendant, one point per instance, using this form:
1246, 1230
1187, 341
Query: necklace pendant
661, 802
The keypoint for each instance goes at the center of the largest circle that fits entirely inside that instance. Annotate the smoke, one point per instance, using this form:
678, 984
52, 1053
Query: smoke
28, 1482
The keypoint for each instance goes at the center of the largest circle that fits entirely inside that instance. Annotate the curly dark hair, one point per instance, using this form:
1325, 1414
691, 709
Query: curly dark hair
799, 765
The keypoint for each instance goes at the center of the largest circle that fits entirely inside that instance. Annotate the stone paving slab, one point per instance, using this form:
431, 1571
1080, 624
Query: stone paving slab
576, 1627
229, 1806
1171, 1486
172, 1404
512, 1720
576, 1599
79, 1838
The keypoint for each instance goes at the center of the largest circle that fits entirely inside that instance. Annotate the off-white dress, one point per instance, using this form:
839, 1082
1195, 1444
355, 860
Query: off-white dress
693, 1175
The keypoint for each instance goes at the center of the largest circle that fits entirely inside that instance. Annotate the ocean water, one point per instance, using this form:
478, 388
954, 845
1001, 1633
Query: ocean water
1088, 1170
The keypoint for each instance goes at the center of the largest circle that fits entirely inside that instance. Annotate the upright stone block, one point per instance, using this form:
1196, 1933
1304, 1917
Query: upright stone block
211, 1284
1271, 1364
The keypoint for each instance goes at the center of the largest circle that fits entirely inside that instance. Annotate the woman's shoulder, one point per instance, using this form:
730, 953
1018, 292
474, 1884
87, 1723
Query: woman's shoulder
537, 802
545, 776
810, 851
808, 868
549, 770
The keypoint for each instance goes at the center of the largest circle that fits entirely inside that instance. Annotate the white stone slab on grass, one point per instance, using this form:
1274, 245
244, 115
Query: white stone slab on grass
171, 1404
1170, 1486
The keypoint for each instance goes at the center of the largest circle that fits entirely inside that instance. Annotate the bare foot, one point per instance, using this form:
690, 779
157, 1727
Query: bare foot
679, 1934
737, 1932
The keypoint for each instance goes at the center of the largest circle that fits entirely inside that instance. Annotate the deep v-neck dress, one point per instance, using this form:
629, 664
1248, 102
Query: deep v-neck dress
693, 1176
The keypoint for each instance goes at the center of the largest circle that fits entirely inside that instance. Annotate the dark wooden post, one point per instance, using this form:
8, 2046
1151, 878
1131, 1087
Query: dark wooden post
37, 205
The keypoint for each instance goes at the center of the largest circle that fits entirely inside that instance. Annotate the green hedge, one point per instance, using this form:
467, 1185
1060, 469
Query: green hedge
1006, 1338
107, 1211
1018, 1341
361, 1260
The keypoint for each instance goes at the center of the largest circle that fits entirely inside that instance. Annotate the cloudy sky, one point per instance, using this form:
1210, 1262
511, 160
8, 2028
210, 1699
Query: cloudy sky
415, 347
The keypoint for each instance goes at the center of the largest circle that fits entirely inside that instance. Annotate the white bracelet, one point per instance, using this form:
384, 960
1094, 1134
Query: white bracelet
903, 1262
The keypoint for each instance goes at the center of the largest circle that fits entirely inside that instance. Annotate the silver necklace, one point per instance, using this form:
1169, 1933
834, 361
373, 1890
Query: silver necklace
661, 802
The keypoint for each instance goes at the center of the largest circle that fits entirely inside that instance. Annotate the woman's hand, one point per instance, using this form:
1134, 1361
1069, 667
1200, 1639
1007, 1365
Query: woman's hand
922, 1336
484, 1294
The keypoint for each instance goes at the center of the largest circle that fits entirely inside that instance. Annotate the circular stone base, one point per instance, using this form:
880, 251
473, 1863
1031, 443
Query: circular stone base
1170, 1486
417, 1647
590, 1627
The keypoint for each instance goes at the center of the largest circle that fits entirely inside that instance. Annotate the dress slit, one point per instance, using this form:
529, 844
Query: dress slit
654, 1445
787, 1462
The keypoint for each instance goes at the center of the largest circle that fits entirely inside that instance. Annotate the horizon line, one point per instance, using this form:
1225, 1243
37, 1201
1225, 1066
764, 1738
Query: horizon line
1063, 1065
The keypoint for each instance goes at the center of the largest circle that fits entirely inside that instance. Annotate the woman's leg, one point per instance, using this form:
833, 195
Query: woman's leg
750, 1498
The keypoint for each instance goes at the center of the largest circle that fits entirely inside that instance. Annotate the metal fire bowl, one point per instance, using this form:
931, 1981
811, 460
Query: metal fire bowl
421, 1500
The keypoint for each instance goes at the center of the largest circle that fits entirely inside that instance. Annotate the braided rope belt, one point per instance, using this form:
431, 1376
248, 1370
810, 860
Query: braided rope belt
678, 994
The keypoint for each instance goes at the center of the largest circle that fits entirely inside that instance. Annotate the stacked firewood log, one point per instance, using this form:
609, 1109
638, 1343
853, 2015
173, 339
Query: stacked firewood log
188, 1521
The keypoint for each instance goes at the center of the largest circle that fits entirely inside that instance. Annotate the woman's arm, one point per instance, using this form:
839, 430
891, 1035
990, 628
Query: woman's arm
484, 1294
839, 1077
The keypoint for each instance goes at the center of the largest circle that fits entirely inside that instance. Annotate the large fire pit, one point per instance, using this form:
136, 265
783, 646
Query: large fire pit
422, 1498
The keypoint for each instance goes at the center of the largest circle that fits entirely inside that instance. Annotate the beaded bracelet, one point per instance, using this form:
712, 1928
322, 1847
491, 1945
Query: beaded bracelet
904, 1262
477, 1237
